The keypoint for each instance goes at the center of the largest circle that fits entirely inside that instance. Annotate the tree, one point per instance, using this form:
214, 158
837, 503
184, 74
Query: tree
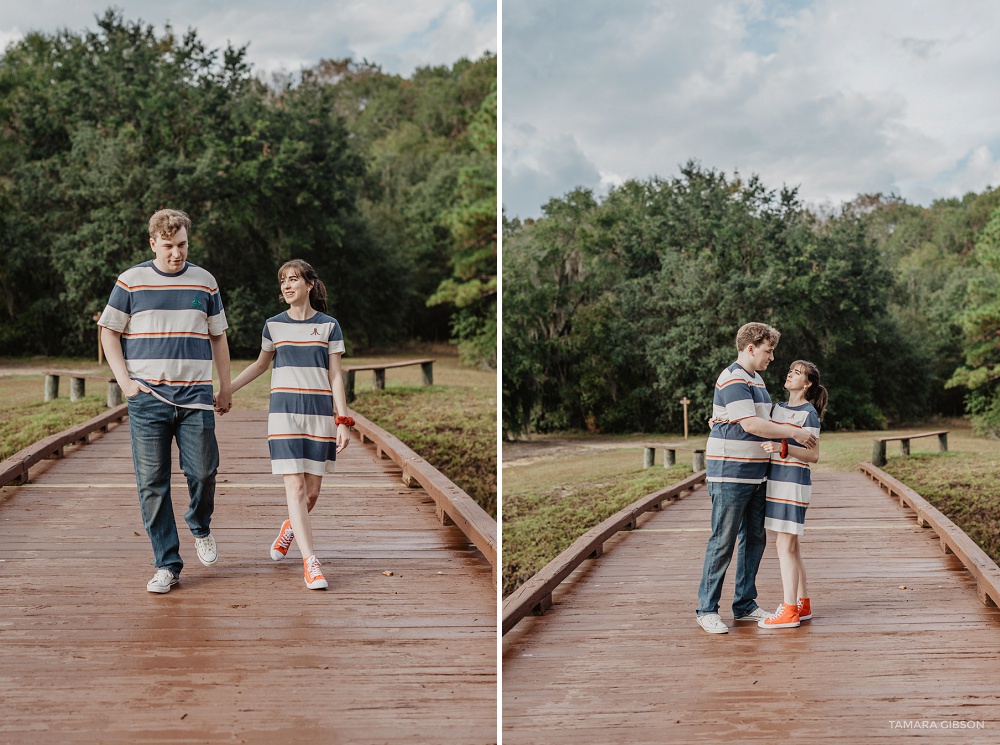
980, 323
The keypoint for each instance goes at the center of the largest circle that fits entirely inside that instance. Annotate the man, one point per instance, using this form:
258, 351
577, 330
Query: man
161, 330
737, 475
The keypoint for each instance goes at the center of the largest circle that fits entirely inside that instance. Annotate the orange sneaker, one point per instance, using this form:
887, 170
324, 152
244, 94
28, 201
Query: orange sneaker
786, 617
805, 610
281, 544
313, 575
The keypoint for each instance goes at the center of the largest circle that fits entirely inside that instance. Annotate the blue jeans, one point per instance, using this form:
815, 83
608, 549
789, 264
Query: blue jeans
737, 514
154, 424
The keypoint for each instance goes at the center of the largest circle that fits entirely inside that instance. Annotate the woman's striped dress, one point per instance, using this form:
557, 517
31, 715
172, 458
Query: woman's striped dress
789, 480
301, 434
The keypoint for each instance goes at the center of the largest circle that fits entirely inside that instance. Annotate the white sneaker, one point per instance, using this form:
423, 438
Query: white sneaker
162, 581
757, 615
712, 623
208, 553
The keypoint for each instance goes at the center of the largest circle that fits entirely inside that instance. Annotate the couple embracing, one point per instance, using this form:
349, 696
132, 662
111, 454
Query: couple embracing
758, 457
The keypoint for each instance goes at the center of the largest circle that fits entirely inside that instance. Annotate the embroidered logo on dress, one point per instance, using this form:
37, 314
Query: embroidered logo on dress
315, 332
196, 303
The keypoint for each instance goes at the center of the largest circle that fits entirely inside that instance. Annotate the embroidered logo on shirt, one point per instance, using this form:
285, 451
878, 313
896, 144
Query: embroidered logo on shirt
315, 332
196, 303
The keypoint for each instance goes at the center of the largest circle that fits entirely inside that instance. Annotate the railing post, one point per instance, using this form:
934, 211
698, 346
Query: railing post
378, 380
878, 452
427, 373
114, 394
350, 386
669, 457
904, 447
77, 388
647, 457
943, 442
51, 387
698, 461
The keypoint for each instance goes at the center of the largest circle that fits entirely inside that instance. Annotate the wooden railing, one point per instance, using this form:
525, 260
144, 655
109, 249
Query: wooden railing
452, 504
953, 538
15, 469
535, 595
878, 444
378, 374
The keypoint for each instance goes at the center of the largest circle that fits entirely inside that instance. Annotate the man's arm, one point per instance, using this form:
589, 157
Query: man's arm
111, 340
755, 425
220, 355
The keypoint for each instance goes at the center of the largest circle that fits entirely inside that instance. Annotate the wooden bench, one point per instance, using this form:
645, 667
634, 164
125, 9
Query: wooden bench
670, 455
378, 374
77, 385
878, 444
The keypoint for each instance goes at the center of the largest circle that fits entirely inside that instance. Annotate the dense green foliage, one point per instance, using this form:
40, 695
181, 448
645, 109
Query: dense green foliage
365, 175
615, 310
980, 321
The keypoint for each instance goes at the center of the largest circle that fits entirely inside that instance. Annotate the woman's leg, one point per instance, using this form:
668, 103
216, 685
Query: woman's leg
787, 545
802, 590
298, 511
313, 485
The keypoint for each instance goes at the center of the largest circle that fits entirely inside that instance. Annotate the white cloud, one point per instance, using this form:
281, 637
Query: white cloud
838, 96
400, 35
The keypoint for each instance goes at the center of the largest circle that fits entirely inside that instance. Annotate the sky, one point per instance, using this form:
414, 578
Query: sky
834, 97
285, 36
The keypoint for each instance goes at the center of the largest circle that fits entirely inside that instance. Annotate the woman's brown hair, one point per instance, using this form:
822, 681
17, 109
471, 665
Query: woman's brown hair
815, 394
317, 293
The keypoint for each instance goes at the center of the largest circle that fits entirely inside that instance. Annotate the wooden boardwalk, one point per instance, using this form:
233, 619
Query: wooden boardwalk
620, 659
241, 652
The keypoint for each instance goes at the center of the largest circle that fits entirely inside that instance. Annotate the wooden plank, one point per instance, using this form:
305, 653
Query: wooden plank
619, 658
935, 433
241, 651
982, 567
387, 365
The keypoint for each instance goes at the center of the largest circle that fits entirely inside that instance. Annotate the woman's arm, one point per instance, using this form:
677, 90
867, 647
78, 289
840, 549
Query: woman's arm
806, 455
254, 370
339, 400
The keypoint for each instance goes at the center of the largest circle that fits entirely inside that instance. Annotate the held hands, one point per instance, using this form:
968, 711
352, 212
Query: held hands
770, 446
223, 401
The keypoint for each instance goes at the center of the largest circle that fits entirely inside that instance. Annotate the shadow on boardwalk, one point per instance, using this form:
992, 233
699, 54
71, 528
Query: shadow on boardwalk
242, 651
900, 644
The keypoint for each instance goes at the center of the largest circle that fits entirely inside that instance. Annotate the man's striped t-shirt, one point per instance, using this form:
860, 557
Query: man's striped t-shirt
166, 321
732, 454
301, 433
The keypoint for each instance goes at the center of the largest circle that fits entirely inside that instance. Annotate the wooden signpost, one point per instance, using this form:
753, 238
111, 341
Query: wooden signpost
684, 402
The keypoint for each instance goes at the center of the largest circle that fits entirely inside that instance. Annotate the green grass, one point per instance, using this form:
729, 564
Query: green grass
451, 424
25, 418
549, 503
